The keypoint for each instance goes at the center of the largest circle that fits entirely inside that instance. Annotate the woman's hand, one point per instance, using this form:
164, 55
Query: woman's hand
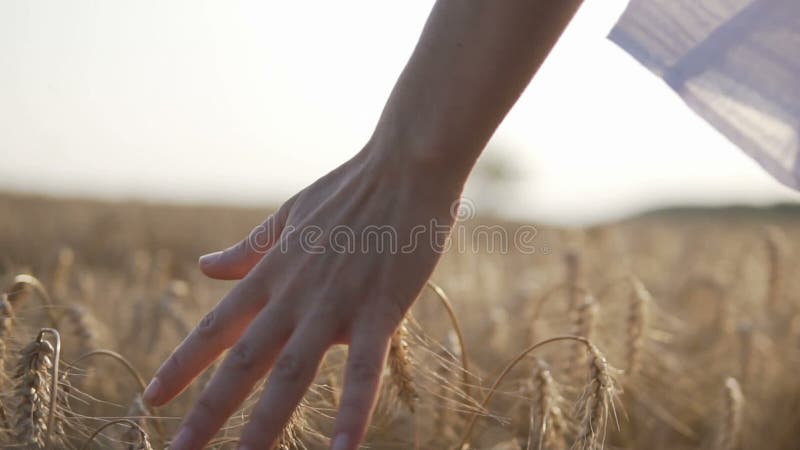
303, 288
340, 262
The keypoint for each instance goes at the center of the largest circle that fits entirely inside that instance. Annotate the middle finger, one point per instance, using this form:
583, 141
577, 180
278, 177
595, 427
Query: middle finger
288, 382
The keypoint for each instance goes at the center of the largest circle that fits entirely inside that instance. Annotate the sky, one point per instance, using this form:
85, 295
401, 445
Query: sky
247, 102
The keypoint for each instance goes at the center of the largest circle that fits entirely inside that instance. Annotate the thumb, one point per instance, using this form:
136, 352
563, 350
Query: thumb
235, 262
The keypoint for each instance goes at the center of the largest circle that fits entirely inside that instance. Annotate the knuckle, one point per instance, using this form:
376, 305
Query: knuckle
262, 428
289, 368
205, 407
280, 307
285, 209
243, 247
264, 420
327, 312
207, 328
242, 357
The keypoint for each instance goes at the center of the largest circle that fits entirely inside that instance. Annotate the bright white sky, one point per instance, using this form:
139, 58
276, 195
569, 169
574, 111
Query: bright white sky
249, 101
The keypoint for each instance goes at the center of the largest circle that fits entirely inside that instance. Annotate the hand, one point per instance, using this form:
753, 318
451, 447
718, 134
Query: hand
302, 290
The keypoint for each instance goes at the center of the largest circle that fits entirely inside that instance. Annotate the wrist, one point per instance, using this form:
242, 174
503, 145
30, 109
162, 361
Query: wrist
420, 156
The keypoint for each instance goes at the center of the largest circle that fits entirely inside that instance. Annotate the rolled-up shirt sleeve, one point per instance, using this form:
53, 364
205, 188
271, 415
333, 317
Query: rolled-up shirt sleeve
735, 62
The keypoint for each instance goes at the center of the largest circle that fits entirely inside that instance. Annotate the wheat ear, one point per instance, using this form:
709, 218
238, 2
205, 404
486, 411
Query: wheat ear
36, 390
548, 423
167, 309
545, 298
597, 403
6, 328
84, 327
399, 363
610, 392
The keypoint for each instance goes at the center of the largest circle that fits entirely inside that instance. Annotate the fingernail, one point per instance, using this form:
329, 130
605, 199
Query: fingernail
340, 442
181, 440
152, 391
209, 258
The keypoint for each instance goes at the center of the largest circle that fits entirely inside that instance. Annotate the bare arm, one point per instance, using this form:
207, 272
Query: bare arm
472, 62
297, 297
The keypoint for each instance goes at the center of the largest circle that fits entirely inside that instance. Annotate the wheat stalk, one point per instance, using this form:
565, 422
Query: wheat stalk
130, 368
444, 396
774, 241
64, 263
143, 442
21, 287
572, 263
746, 337
729, 435
585, 325
638, 321
138, 413
462, 348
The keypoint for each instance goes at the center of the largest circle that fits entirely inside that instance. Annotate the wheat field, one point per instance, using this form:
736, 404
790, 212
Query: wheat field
676, 330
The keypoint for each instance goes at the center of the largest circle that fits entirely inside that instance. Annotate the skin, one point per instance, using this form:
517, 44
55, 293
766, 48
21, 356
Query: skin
297, 296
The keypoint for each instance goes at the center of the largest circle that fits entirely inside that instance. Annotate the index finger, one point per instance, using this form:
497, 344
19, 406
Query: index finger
243, 366
217, 331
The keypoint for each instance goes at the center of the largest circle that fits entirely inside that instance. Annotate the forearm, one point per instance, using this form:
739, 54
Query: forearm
473, 60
